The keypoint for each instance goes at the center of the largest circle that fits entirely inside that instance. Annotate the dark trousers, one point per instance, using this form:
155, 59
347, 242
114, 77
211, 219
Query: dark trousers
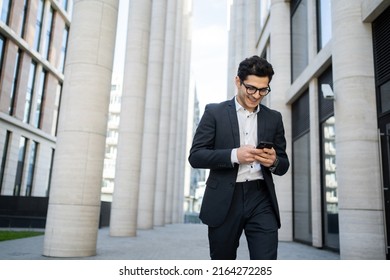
250, 211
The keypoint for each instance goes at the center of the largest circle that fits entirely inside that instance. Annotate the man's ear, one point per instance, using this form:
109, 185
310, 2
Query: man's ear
237, 81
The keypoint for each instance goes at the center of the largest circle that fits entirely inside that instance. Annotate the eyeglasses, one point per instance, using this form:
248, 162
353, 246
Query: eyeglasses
252, 90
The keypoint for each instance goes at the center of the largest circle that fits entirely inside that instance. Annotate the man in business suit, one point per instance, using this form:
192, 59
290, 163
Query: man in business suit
240, 193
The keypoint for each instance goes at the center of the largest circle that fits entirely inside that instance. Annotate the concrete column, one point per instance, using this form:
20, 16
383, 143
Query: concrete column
182, 110
250, 29
172, 148
165, 114
279, 54
242, 37
74, 205
152, 115
186, 103
124, 206
232, 67
358, 169
239, 35
315, 164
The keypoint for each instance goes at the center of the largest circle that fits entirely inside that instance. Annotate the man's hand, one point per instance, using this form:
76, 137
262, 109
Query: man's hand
248, 154
265, 156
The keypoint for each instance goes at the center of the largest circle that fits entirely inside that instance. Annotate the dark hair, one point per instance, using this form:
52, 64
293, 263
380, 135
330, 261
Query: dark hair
255, 65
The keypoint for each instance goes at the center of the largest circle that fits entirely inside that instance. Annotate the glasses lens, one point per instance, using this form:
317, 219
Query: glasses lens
264, 91
251, 90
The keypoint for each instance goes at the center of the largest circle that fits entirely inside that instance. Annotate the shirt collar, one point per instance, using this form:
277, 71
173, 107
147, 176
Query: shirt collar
239, 106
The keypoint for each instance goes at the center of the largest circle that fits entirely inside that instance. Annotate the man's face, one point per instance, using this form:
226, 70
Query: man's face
247, 100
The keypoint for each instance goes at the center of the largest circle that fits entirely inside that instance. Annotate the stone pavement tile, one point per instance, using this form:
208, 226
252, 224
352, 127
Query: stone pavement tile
171, 242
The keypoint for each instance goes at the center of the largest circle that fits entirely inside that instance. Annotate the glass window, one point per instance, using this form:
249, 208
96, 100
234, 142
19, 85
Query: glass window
2, 43
48, 33
15, 81
302, 191
299, 38
31, 167
23, 19
301, 169
67, 5
50, 172
63, 49
29, 93
56, 109
40, 99
20, 166
5, 11
384, 91
328, 163
264, 7
301, 115
4, 158
329, 181
324, 22
38, 25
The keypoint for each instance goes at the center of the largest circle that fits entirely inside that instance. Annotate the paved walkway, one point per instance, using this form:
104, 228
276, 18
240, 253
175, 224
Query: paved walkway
171, 242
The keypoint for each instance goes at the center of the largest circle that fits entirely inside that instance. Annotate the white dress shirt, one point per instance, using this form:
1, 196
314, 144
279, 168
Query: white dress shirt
247, 123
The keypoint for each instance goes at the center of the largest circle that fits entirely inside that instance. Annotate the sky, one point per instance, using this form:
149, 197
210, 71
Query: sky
209, 51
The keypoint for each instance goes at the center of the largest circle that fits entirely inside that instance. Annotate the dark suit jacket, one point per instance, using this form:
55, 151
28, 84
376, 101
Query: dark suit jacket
216, 135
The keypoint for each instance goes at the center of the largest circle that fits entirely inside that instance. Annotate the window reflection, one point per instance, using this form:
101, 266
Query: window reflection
302, 211
20, 166
324, 22
299, 39
38, 25
264, 6
330, 165
2, 40
302, 192
331, 215
5, 10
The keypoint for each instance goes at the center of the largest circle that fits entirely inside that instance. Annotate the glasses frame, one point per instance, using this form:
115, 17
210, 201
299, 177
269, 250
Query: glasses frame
262, 91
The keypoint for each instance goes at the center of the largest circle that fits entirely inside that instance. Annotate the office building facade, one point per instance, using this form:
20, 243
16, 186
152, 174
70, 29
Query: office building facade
33, 45
55, 83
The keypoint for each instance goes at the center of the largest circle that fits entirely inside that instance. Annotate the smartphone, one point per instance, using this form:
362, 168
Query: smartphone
264, 144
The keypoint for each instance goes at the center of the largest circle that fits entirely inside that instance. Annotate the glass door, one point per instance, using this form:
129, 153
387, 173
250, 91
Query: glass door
329, 183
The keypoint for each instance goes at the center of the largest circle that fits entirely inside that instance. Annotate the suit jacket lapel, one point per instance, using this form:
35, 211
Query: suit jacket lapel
234, 122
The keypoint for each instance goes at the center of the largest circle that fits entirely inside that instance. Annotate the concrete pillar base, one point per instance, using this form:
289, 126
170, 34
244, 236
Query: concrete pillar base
71, 234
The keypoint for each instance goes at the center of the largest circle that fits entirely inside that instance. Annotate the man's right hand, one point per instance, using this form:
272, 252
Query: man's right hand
246, 154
